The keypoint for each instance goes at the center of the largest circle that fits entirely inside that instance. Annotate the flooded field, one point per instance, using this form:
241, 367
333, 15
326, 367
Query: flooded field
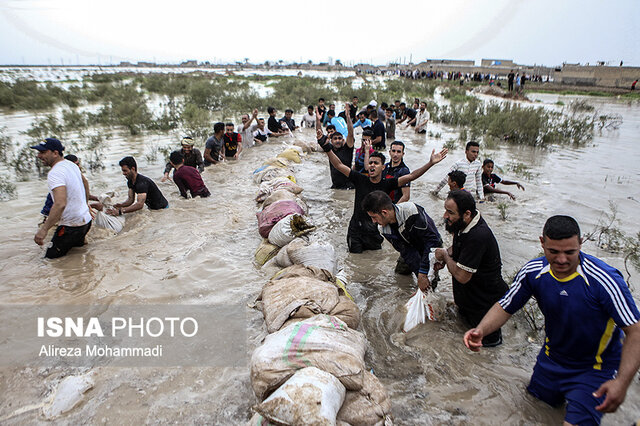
200, 251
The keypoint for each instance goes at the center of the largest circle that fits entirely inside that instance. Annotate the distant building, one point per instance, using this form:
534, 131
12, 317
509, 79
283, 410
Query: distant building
497, 63
126, 64
145, 64
459, 62
190, 63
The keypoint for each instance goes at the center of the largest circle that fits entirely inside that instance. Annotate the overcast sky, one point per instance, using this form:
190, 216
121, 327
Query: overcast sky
547, 32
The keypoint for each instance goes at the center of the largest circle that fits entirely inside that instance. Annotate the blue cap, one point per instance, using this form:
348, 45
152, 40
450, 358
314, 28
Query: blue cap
49, 144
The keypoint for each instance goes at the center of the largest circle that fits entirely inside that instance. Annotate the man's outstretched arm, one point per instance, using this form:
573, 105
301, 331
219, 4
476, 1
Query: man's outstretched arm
435, 159
493, 320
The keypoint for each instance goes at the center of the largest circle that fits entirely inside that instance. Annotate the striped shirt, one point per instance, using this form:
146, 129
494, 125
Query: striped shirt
583, 312
471, 169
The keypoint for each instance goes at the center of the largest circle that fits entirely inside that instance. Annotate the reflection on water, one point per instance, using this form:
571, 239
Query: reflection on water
201, 251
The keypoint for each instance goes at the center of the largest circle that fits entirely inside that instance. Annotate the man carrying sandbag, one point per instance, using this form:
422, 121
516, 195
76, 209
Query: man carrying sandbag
409, 229
363, 233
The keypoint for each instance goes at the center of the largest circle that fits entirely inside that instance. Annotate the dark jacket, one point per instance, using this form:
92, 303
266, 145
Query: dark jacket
413, 235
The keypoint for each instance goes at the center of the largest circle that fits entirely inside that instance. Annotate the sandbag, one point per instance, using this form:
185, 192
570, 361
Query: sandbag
307, 147
272, 214
310, 397
265, 252
106, 221
277, 162
269, 173
290, 154
282, 258
304, 271
322, 256
267, 188
322, 341
283, 298
422, 307
368, 406
288, 228
259, 420
279, 195
347, 311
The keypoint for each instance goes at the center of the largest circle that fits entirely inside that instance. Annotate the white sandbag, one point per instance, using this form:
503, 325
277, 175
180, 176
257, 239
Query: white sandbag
282, 258
367, 407
422, 307
322, 256
106, 221
279, 195
310, 397
288, 228
270, 173
323, 342
67, 395
283, 298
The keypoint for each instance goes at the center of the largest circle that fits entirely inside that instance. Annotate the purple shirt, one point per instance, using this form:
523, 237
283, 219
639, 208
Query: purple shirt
187, 177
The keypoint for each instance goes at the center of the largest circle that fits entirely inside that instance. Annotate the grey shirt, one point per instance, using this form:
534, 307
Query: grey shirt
215, 145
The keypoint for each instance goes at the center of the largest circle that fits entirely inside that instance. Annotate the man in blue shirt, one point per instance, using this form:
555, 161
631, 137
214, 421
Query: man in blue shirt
362, 121
587, 306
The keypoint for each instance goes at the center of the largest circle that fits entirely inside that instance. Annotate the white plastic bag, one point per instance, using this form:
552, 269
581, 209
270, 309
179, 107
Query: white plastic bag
418, 311
311, 396
106, 221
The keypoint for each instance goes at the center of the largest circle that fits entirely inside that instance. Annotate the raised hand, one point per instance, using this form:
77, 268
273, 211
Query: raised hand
436, 158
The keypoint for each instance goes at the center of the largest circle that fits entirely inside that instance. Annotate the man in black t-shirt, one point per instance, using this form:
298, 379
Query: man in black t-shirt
379, 132
363, 233
341, 147
147, 190
273, 124
473, 261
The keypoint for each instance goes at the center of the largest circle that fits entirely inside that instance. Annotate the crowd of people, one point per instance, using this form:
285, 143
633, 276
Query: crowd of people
586, 303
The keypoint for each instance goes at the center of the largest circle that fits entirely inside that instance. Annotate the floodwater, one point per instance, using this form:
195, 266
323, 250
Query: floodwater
201, 252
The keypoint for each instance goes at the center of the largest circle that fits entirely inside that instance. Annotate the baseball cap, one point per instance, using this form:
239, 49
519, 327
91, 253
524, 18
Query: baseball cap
49, 144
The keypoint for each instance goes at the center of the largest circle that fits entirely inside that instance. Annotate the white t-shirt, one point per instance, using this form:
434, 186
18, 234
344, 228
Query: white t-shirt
247, 134
422, 120
65, 173
308, 120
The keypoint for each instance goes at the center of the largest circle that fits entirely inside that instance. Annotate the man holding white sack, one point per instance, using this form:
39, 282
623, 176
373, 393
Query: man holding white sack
473, 261
409, 229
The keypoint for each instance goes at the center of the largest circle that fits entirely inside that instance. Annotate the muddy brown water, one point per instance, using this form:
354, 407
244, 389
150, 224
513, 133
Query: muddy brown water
201, 251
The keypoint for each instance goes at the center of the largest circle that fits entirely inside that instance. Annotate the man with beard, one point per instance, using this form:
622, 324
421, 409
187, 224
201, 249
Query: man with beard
410, 231
342, 149
473, 261
147, 190
192, 157
69, 209
363, 233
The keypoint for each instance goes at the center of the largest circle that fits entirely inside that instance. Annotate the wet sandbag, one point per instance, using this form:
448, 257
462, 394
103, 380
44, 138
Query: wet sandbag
269, 173
281, 299
288, 228
304, 271
310, 397
272, 214
322, 256
282, 258
277, 162
279, 195
307, 147
259, 420
106, 221
322, 341
267, 188
347, 311
368, 406
290, 154
265, 252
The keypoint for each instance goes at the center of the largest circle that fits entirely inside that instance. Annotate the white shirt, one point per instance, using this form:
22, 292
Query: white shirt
422, 119
308, 120
247, 134
67, 174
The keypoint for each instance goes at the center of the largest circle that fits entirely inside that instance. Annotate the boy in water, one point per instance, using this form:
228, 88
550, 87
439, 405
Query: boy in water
457, 178
489, 180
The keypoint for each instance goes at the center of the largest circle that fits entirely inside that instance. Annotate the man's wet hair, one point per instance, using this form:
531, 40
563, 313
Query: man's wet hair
403, 104
384, 105
229, 124
470, 144
390, 109
378, 155
288, 111
331, 127
310, 107
487, 161
320, 99
560, 227
331, 113
270, 110
363, 113
176, 157
354, 97
459, 177
373, 114
218, 127
367, 132
130, 162
377, 201
71, 158
464, 201
336, 134
400, 143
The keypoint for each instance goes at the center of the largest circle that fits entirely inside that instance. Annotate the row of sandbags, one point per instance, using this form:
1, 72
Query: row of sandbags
310, 369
